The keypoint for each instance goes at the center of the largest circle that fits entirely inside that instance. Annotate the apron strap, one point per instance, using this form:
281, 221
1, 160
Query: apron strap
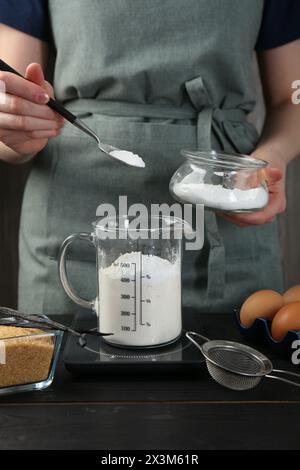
223, 122
216, 258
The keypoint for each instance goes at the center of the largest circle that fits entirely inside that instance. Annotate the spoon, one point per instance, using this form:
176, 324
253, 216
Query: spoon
122, 156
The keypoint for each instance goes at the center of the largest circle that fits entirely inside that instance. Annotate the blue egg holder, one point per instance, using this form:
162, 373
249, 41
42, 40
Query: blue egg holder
260, 332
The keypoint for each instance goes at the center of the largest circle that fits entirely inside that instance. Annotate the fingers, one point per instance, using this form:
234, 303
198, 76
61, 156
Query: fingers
23, 88
27, 150
48, 89
277, 205
15, 105
27, 123
44, 134
34, 73
12, 138
273, 175
22, 105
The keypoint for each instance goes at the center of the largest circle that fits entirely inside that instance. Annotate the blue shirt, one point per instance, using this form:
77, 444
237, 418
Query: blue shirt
280, 24
29, 16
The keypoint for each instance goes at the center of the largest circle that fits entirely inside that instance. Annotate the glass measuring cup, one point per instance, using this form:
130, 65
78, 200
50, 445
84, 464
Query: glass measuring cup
138, 279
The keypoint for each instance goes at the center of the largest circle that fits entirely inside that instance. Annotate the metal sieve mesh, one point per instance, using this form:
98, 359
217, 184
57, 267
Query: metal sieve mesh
235, 359
240, 362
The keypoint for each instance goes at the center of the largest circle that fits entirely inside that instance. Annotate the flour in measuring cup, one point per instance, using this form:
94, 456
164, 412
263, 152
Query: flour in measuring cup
151, 313
128, 157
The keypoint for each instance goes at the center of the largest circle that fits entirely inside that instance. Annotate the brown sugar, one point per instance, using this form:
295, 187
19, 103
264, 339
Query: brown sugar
27, 357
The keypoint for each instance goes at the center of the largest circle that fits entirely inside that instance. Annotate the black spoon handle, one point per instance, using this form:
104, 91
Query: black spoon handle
53, 104
45, 322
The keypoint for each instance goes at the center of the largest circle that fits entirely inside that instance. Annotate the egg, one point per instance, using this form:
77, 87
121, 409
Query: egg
287, 318
292, 295
264, 303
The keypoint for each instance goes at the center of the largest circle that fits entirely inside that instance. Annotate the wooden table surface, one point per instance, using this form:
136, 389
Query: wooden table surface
162, 410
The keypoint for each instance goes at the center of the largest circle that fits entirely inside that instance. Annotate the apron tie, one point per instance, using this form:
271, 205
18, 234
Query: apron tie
227, 123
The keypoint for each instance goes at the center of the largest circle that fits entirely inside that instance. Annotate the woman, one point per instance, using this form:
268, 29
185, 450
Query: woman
136, 72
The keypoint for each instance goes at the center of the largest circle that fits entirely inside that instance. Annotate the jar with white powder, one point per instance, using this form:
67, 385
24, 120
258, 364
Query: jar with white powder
222, 182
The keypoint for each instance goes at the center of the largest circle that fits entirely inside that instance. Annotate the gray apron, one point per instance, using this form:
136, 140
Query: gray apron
153, 77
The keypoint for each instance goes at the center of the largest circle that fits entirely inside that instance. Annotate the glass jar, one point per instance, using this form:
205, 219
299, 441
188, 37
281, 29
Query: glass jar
221, 181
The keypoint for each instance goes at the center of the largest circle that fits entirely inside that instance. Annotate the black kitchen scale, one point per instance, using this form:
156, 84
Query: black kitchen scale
97, 356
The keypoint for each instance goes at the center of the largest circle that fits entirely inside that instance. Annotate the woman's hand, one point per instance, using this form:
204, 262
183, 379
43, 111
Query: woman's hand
275, 176
26, 123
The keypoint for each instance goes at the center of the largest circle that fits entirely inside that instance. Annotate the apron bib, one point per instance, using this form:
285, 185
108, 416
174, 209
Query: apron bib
143, 91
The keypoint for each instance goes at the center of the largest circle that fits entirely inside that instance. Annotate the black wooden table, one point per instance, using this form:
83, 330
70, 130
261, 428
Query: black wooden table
162, 410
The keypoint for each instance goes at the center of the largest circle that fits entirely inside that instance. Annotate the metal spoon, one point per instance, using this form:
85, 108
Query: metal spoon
70, 117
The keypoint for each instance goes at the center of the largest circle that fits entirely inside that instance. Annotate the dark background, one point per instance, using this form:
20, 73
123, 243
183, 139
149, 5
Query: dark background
12, 181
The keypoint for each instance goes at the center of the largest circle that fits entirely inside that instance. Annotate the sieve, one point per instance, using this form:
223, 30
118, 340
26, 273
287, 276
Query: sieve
235, 365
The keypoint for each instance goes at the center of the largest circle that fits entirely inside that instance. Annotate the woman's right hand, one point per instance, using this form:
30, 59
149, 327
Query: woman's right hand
26, 123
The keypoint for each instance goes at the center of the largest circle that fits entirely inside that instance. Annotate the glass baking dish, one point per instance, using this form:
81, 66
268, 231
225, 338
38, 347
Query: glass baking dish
28, 356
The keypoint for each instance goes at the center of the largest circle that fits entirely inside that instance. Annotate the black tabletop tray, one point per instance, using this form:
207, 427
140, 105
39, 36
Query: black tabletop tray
98, 355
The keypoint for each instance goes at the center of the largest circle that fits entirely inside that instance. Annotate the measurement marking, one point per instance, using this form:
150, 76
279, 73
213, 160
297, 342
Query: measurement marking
141, 291
134, 297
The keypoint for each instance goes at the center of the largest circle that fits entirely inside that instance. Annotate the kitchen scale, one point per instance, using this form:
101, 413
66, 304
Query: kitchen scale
98, 356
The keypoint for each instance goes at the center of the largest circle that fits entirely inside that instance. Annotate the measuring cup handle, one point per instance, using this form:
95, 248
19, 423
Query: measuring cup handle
63, 269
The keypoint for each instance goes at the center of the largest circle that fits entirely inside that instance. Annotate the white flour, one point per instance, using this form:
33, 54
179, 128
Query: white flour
153, 308
217, 197
128, 157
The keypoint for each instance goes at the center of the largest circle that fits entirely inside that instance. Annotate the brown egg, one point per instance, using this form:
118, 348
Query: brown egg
288, 318
264, 303
292, 295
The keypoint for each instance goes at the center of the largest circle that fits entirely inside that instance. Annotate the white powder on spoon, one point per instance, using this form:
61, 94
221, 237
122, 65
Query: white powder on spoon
128, 157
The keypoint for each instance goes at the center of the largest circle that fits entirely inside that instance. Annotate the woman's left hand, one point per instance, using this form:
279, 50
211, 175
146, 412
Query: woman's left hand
275, 175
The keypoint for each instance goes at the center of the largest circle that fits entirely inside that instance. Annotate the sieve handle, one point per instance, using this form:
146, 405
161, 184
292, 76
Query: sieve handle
190, 334
287, 372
